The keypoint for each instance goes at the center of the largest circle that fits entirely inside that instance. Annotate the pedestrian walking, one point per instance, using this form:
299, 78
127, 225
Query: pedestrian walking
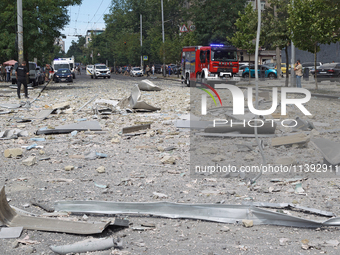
47, 72
147, 69
298, 73
153, 69
8, 73
21, 73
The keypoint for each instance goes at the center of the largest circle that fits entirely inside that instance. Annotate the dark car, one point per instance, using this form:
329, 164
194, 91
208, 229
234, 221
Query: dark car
310, 66
177, 70
268, 72
41, 72
329, 72
63, 74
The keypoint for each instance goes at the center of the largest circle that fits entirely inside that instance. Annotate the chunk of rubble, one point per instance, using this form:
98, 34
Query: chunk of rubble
30, 161
134, 101
300, 138
13, 153
13, 134
168, 160
146, 85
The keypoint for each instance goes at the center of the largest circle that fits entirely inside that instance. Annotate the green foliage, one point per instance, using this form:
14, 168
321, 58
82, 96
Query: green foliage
215, 19
246, 30
77, 49
42, 21
274, 27
310, 26
313, 22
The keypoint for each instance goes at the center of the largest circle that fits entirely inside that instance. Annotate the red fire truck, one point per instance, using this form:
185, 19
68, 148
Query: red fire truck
204, 63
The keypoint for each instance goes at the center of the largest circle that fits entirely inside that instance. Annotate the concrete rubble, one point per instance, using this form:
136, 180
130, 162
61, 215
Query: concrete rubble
128, 140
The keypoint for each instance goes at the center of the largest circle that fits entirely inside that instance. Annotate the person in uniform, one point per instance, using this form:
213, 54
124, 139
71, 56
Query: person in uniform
21, 74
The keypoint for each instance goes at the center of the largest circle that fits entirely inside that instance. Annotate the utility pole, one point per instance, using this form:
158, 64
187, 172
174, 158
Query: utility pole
20, 32
141, 42
278, 55
164, 71
292, 58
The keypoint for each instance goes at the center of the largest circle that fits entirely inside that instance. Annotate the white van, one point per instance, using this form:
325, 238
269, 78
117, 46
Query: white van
57, 64
72, 65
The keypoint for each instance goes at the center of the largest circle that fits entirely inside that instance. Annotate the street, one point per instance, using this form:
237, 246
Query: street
153, 165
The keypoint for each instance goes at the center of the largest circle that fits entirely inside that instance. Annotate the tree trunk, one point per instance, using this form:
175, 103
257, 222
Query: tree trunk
287, 68
315, 75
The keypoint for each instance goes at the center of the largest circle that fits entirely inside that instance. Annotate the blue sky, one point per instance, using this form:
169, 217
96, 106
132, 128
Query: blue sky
89, 15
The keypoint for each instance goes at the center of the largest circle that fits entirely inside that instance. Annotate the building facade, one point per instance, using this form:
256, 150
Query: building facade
88, 35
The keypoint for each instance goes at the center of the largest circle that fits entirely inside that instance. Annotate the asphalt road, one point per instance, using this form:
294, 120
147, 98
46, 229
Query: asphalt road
134, 172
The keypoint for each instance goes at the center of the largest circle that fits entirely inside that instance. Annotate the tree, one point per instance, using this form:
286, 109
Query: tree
215, 19
77, 49
42, 22
246, 31
311, 26
274, 28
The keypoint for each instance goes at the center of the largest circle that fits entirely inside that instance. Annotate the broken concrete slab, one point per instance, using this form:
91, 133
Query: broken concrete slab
61, 106
13, 134
300, 138
43, 114
133, 101
105, 107
126, 130
266, 128
10, 218
210, 212
68, 128
146, 85
30, 161
13, 232
13, 153
330, 150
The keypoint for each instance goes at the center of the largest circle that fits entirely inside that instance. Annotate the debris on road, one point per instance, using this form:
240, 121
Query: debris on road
88, 245
301, 139
10, 218
68, 128
12, 232
210, 212
147, 85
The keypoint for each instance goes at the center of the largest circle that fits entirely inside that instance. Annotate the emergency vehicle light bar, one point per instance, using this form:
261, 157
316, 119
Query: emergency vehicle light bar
216, 45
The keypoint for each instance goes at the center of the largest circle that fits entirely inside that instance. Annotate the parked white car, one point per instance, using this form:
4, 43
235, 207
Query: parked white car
136, 72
